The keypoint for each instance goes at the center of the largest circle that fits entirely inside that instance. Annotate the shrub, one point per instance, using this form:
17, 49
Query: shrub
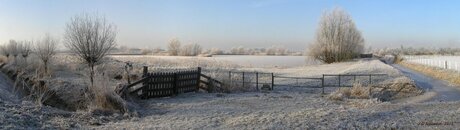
174, 47
191, 50
337, 38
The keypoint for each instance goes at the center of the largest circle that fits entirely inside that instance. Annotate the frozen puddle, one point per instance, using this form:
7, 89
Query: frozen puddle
435, 90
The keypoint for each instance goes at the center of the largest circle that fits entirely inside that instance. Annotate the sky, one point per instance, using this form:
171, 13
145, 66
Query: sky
231, 23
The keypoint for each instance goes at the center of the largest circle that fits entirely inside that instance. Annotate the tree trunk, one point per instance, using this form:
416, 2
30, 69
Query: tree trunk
92, 75
46, 67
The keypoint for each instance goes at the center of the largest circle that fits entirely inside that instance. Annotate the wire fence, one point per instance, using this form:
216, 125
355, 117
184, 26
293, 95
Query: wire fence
433, 61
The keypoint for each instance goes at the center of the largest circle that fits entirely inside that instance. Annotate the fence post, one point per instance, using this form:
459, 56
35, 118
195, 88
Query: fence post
145, 71
370, 79
257, 81
322, 84
445, 64
297, 82
354, 78
198, 80
273, 81
175, 84
230, 77
243, 79
339, 80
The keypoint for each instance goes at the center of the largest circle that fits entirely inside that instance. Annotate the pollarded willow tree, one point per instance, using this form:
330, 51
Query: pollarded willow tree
337, 38
26, 50
4, 50
13, 49
45, 50
90, 37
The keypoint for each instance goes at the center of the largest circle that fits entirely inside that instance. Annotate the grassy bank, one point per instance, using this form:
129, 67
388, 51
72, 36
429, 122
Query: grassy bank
443, 74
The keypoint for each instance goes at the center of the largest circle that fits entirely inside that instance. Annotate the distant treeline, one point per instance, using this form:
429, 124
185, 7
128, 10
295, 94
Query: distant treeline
419, 51
175, 49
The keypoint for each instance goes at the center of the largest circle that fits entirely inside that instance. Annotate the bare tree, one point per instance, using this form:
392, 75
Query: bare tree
25, 48
337, 38
13, 49
90, 37
45, 50
4, 50
174, 47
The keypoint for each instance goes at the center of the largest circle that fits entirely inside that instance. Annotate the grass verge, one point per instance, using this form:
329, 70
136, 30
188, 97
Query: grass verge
442, 74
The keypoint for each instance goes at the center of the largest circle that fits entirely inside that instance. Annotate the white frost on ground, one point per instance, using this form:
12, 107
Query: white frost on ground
291, 107
286, 107
295, 109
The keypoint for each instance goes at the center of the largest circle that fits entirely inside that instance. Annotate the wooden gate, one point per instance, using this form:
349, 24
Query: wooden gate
163, 84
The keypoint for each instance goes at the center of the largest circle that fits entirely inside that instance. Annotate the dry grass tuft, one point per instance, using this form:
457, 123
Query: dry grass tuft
447, 75
104, 97
403, 85
358, 91
340, 94
3, 59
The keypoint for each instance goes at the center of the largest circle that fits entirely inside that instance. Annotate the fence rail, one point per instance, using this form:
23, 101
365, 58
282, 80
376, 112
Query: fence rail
246, 79
254, 78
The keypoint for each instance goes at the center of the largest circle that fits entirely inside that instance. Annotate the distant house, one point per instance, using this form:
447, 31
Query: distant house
365, 55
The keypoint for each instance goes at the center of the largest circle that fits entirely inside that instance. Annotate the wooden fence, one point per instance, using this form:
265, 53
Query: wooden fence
163, 84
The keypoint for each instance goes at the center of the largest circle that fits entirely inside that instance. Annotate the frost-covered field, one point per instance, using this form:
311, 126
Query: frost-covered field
243, 60
290, 107
445, 62
268, 61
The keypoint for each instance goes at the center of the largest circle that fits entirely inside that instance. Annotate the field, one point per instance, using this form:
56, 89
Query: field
243, 60
444, 62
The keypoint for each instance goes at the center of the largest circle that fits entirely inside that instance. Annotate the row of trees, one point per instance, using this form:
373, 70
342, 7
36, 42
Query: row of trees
273, 50
44, 49
176, 49
89, 37
418, 51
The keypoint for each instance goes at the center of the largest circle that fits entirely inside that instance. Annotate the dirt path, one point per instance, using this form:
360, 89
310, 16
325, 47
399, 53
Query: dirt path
435, 90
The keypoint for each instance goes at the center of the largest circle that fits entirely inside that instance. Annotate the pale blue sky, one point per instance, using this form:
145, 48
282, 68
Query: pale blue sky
228, 23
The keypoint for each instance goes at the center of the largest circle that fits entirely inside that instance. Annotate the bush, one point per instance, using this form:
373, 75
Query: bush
337, 38
174, 47
190, 50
